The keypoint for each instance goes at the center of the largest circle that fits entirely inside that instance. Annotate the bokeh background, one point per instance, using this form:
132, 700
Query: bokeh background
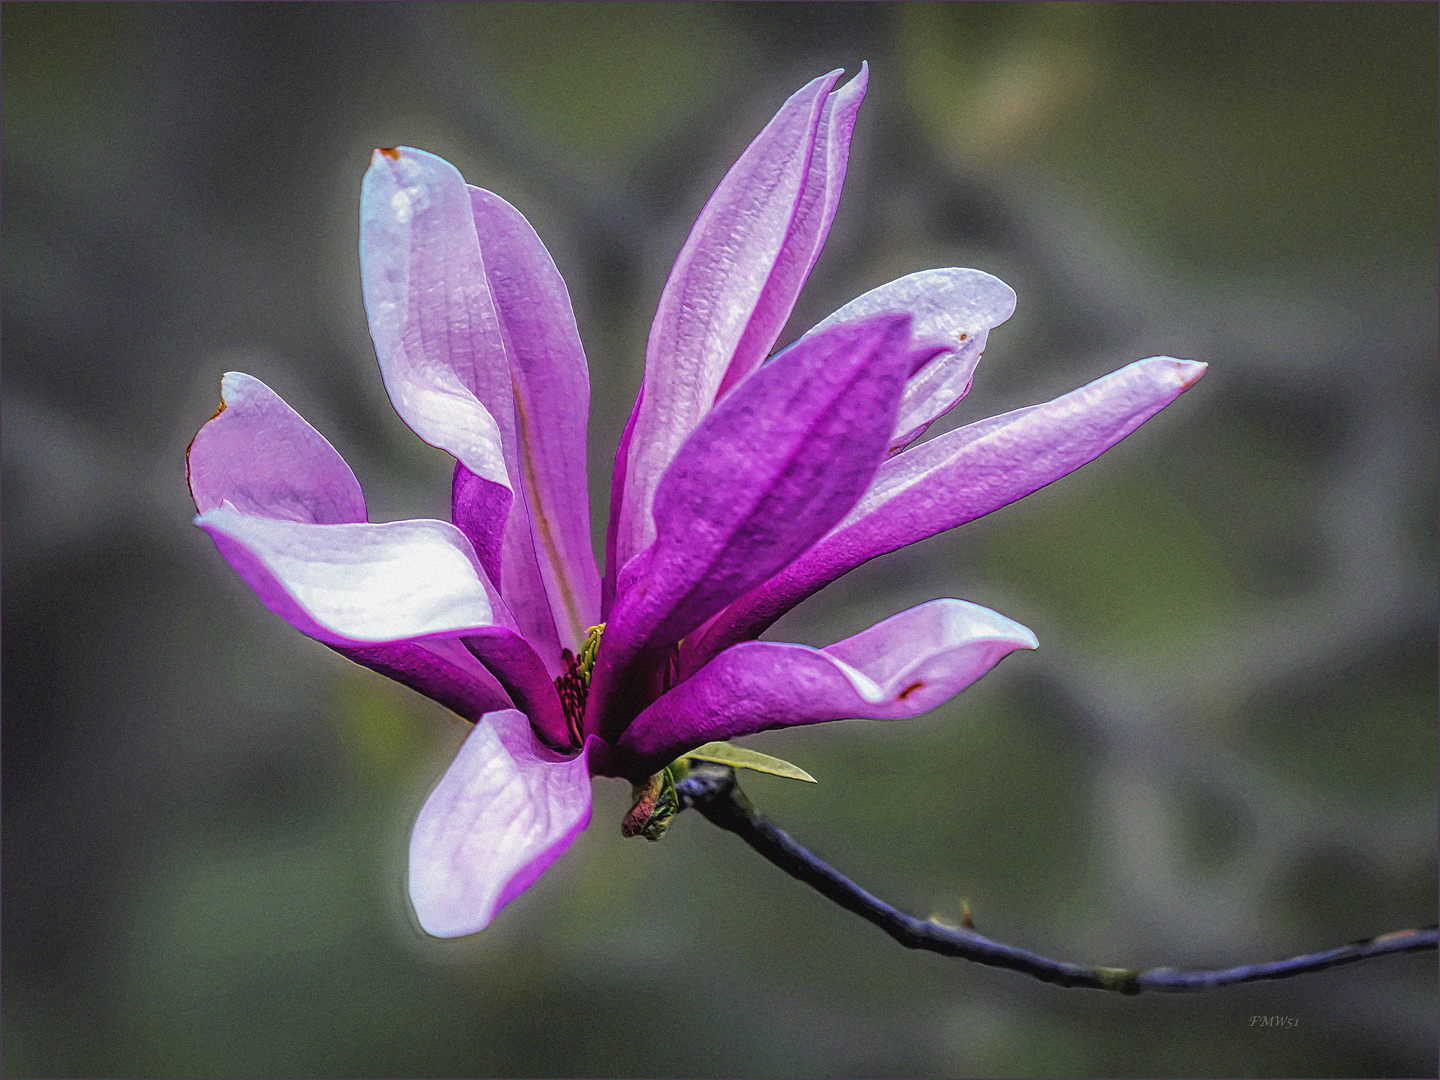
1224, 751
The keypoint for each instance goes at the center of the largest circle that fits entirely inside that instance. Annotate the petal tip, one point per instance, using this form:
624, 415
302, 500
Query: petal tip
391, 152
1189, 372
442, 920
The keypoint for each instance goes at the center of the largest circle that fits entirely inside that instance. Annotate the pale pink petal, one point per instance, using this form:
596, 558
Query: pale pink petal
360, 584
952, 306
898, 668
442, 352
503, 812
434, 325
774, 465
260, 455
257, 456
717, 282
962, 475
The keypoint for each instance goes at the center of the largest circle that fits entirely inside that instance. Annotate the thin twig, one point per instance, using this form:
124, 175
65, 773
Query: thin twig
713, 792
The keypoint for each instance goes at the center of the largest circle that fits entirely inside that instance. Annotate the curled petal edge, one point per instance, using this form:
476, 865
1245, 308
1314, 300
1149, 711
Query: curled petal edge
360, 584
951, 306
262, 457
898, 668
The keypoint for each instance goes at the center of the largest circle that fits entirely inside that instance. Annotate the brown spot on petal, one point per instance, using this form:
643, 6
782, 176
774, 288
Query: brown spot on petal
392, 152
188, 482
964, 336
908, 691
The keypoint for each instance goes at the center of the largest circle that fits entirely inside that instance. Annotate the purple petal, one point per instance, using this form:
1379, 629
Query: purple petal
552, 405
480, 509
770, 470
617, 492
360, 584
718, 284
955, 307
440, 669
898, 668
962, 475
260, 456
442, 351
523, 675
809, 227
502, 813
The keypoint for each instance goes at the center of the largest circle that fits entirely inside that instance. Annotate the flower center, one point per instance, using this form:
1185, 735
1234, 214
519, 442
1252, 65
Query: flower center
574, 686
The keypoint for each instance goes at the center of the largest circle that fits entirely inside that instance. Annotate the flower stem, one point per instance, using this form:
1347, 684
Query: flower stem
712, 790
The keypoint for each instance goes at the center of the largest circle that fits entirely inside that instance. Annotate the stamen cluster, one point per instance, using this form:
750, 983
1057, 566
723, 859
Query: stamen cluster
574, 686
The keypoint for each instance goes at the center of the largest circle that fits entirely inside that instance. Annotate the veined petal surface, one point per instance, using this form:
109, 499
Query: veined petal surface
719, 281
436, 332
360, 584
259, 455
896, 669
766, 474
443, 353
810, 225
504, 810
481, 510
953, 306
552, 407
962, 475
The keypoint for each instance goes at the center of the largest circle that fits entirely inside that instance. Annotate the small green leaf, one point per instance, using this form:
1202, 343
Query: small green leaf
738, 757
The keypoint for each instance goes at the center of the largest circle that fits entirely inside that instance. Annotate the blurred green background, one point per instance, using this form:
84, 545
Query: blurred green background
1225, 749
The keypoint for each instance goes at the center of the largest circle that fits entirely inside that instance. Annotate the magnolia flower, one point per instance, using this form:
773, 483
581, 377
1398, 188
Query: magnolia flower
741, 486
